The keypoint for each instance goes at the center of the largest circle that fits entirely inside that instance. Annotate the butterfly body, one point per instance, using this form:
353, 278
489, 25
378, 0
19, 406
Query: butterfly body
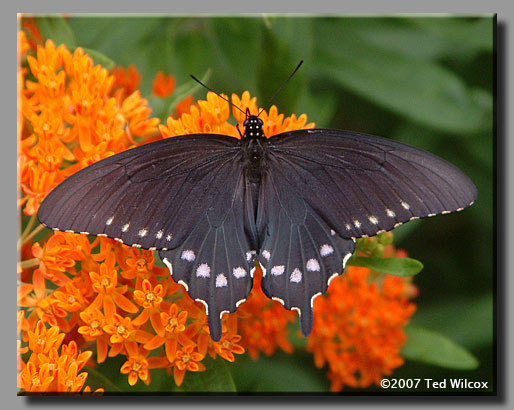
214, 206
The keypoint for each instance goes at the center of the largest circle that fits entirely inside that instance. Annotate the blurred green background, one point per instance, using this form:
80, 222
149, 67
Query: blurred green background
426, 81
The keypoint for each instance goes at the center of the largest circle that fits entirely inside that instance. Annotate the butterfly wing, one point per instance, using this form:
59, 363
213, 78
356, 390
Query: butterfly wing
324, 188
214, 262
183, 196
300, 253
362, 185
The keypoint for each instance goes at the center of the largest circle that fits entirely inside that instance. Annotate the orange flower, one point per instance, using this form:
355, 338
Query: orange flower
94, 320
173, 324
163, 85
126, 79
227, 346
138, 364
93, 330
69, 299
135, 111
57, 255
41, 340
69, 381
109, 294
150, 299
141, 265
186, 359
35, 380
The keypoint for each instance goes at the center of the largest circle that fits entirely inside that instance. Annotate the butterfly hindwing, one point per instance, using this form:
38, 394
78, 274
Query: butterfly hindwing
300, 253
212, 262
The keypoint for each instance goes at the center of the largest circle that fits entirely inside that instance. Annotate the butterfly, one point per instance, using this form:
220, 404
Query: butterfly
214, 207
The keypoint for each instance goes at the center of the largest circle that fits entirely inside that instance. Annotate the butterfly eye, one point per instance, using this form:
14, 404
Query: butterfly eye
260, 122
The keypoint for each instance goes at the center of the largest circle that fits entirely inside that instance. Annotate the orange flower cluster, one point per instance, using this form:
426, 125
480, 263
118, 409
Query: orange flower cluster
358, 325
52, 366
114, 299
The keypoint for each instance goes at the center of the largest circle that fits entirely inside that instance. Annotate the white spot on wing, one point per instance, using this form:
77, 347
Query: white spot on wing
266, 254
221, 280
188, 255
143, 232
296, 276
159, 234
312, 265
168, 238
239, 272
332, 232
373, 219
239, 302
125, 227
348, 227
390, 213
326, 250
405, 205
356, 223
109, 221
250, 255
278, 270
203, 271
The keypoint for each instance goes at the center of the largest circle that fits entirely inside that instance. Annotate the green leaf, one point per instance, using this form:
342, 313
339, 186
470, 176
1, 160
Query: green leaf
98, 58
216, 378
433, 348
279, 373
390, 266
57, 30
421, 90
452, 317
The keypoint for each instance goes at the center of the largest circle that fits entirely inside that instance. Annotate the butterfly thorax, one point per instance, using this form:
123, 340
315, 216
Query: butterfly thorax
253, 148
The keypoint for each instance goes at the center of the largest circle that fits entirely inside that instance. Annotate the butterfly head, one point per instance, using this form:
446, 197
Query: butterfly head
253, 127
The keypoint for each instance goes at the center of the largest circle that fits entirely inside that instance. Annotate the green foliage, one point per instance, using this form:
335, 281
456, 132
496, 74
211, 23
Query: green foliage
390, 266
57, 29
435, 349
216, 378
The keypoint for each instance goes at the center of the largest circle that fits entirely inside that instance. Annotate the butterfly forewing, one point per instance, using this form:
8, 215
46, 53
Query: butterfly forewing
361, 184
150, 196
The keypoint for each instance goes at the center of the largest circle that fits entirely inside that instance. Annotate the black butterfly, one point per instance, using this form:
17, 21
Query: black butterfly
213, 206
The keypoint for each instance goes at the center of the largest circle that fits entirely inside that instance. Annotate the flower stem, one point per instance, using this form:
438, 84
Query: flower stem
29, 263
29, 226
23, 240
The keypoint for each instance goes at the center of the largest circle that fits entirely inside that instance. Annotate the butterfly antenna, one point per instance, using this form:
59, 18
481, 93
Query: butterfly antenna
282, 86
219, 95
